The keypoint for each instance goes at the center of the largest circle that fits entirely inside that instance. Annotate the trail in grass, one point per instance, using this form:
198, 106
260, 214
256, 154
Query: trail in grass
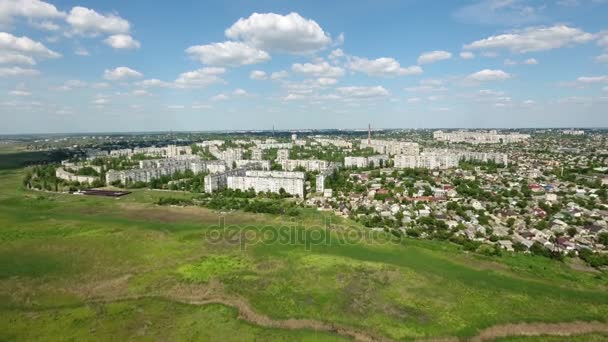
248, 314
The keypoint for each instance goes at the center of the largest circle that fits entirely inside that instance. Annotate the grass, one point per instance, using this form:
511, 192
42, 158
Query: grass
62, 253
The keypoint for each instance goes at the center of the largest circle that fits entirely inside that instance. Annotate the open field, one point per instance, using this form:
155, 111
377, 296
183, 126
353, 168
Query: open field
72, 267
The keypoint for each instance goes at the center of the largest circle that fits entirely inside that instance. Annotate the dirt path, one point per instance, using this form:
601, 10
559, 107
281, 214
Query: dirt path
538, 329
247, 313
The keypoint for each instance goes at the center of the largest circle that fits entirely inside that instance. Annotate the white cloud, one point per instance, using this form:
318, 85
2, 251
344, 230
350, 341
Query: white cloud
258, 75
510, 62
413, 100
200, 78
18, 71
467, 55
140, 92
70, 84
335, 54
602, 39
531, 61
15, 58
81, 52
32, 9
603, 58
19, 92
228, 54
319, 69
240, 92
121, 73
488, 75
434, 56
533, 39
45, 25
326, 81
153, 82
86, 21
122, 41
176, 107
382, 67
278, 75
274, 32
220, 97
592, 79
25, 45
363, 92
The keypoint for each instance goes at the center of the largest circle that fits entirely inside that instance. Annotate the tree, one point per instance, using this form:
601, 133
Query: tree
571, 231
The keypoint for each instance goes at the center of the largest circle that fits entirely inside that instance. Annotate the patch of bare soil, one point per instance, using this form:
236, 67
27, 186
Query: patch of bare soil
538, 329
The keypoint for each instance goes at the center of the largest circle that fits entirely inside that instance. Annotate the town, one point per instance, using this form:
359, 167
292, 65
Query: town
539, 191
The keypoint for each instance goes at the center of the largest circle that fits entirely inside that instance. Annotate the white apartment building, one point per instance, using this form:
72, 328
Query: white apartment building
307, 164
358, 162
253, 164
267, 145
445, 159
63, 174
391, 147
479, 137
268, 181
257, 154
282, 154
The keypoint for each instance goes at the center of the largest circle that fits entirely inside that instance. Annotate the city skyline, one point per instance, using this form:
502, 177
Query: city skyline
110, 66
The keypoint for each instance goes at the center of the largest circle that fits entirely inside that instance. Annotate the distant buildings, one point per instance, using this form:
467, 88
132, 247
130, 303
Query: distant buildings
61, 173
259, 181
391, 147
445, 159
476, 137
307, 164
363, 162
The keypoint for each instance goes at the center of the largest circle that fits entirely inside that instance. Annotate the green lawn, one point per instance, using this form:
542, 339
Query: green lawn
68, 265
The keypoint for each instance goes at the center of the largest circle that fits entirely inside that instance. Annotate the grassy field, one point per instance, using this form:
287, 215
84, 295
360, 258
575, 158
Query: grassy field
72, 267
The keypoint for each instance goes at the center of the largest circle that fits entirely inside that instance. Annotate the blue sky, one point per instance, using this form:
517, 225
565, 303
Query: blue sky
75, 66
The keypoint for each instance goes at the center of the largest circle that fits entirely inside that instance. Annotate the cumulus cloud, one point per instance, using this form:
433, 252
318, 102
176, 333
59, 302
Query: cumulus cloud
32, 9
531, 61
220, 97
467, 55
318, 69
240, 92
275, 32
86, 21
279, 75
488, 75
228, 54
24, 46
200, 78
363, 92
326, 81
121, 73
434, 56
258, 75
18, 71
122, 41
533, 39
382, 67
15, 58
603, 58
81, 52
335, 54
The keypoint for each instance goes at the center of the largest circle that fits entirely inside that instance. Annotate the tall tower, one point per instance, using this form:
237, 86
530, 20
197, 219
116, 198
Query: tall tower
369, 134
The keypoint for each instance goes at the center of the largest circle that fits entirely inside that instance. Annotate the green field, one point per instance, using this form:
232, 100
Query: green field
77, 267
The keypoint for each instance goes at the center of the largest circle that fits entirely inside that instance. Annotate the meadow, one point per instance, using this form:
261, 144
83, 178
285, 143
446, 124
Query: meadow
81, 267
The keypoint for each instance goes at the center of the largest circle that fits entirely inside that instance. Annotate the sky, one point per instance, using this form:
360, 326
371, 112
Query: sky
127, 66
